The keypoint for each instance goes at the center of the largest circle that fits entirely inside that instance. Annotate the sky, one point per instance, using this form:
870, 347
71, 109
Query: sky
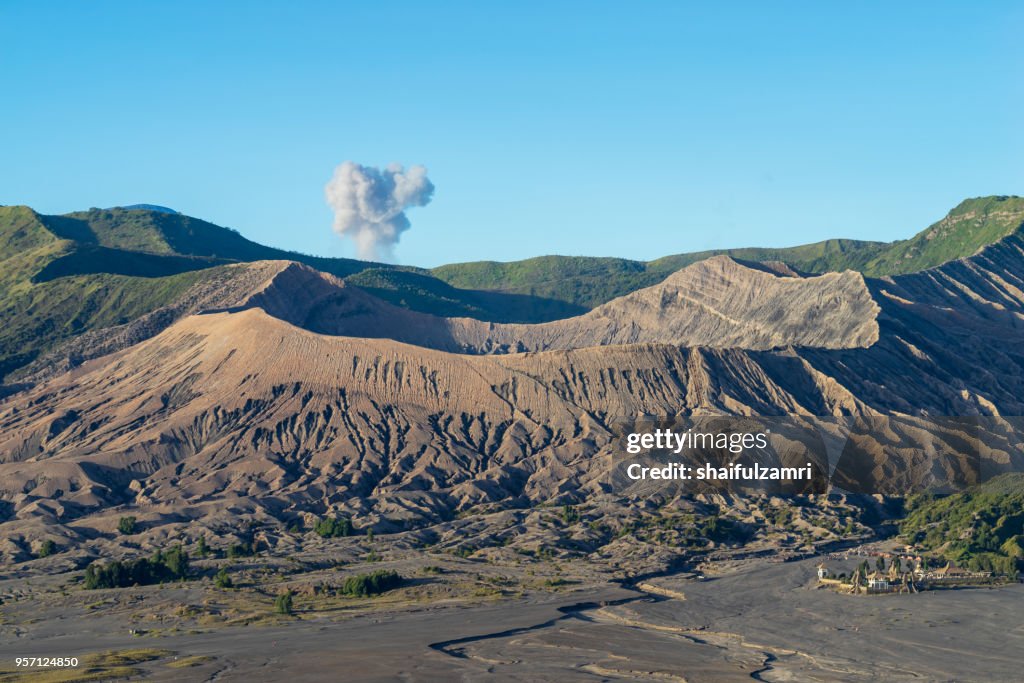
633, 129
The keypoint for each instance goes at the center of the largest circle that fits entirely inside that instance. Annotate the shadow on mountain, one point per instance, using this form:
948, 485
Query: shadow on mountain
90, 260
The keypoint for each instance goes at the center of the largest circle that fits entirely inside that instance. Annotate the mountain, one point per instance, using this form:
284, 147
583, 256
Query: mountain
588, 282
972, 225
40, 313
98, 270
92, 272
283, 395
717, 303
172, 234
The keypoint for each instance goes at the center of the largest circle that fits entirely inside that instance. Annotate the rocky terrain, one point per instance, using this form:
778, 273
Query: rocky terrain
286, 393
476, 457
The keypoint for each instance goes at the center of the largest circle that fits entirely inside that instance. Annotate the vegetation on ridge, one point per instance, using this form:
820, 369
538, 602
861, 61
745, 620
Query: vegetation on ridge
981, 528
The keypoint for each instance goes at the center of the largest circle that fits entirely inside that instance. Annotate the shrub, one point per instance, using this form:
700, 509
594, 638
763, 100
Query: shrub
374, 583
169, 566
127, 526
283, 603
333, 527
222, 580
244, 549
720, 530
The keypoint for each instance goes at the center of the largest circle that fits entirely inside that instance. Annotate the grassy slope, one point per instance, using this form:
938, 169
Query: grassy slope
588, 282
425, 293
591, 281
966, 229
982, 528
159, 233
39, 315
155, 243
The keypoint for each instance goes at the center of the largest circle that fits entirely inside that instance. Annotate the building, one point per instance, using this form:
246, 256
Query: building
953, 573
878, 582
822, 571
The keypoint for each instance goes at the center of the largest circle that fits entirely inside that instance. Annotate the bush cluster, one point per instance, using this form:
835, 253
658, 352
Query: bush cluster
374, 583
333, 527
169, 566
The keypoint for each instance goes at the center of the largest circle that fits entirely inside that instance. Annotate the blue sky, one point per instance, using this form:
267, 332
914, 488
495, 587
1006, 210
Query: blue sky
607, 129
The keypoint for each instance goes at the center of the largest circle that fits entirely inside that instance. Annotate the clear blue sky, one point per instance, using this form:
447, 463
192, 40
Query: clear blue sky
621, 129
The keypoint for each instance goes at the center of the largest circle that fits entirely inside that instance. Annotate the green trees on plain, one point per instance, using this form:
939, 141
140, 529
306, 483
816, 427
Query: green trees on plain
172, 565
374, 583
223, 580
127, 526
334, 527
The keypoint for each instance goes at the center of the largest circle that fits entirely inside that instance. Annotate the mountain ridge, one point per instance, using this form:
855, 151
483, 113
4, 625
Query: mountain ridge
134, 263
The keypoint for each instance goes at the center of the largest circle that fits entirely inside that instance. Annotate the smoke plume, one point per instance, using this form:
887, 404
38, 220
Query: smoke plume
369, 204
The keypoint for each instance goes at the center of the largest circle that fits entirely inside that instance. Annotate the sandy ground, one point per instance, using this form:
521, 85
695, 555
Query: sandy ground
770, 622
761, 621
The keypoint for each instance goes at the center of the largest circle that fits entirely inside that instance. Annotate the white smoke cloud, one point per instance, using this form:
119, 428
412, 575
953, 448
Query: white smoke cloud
369, 204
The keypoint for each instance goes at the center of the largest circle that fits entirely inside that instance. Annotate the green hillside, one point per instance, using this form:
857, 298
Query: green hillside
39, 315
587, 281
169, 234
966, 229
422, 292
982, 528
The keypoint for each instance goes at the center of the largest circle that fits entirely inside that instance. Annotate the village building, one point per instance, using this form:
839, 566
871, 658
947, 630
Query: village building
903, 575
878, 582
951, 572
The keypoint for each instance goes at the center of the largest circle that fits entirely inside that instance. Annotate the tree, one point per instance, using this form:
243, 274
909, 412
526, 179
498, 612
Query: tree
880, 564
897, 563
374, 583
333, 527
201, 546
47, 548
170, 566
176, 562
127, 526
222, 580
283, 603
